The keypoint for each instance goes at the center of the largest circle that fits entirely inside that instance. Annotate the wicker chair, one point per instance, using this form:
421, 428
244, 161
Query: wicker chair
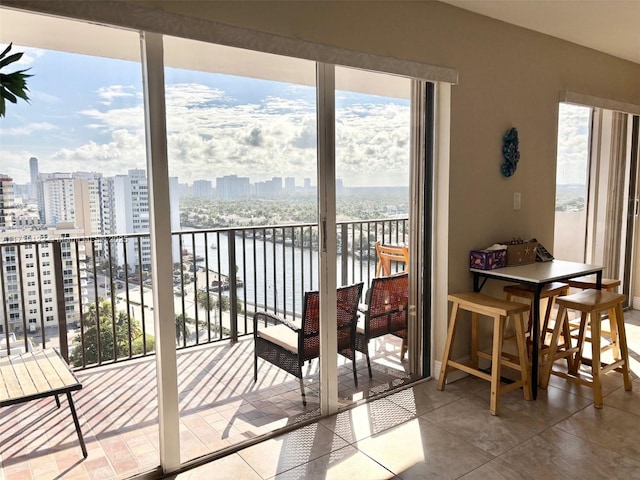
288, 344
385, 312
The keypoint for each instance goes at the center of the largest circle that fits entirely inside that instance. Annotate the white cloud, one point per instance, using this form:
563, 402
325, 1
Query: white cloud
29, 128
29, 56
112, 92
125, 151
209, 136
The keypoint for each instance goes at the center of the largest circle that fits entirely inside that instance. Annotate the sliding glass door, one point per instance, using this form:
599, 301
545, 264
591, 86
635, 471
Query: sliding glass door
266, 186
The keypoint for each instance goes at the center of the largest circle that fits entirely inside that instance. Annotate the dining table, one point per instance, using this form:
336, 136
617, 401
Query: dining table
537, 275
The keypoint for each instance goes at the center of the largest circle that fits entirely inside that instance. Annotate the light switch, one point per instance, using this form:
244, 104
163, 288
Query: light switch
517, 200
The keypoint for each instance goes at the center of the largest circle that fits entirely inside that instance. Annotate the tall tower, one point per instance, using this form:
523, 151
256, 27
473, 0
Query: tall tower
131, 214
33, 170
6, 201
58, 199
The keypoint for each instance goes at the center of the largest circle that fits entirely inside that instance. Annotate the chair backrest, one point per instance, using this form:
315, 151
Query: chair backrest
347, 313
390, 253
387, 305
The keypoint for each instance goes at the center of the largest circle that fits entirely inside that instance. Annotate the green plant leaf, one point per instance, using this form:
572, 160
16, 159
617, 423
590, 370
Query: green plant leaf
10, 59
12, 85
6, 50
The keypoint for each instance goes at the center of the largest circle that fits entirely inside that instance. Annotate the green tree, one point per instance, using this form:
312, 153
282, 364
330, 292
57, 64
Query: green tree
181, 326
102, 333
205, 300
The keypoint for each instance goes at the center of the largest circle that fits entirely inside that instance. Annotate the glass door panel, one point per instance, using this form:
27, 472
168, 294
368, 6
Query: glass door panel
241, 137
76, 156
373, 157
572, 175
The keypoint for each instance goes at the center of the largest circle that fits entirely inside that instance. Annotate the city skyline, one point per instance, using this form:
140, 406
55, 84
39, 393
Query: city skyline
91, 119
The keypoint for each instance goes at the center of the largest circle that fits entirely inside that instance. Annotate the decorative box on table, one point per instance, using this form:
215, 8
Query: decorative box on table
488, 259
521, 253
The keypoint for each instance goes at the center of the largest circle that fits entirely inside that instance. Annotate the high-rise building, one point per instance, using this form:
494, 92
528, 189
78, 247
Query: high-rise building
86, 189
289, 185
131, 214
33, 171
29, 277
231, 187
270, 188
202, 189
57, 198
6, 201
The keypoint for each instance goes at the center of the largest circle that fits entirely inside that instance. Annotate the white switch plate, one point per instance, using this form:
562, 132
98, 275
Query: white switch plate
517, 200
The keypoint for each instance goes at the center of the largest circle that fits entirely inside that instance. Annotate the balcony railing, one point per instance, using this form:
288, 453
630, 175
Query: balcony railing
91, 296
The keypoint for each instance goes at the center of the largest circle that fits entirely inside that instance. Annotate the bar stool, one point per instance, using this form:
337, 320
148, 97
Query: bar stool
548, 292
479, 304
589, 281
592, 304
585, 283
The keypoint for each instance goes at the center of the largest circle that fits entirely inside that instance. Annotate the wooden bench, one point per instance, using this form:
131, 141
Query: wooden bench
35, 375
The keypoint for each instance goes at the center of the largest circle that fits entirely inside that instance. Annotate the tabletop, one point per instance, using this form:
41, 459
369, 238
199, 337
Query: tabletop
34, 375
540, 272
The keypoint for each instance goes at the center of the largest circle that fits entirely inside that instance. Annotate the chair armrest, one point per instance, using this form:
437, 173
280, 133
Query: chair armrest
273, 319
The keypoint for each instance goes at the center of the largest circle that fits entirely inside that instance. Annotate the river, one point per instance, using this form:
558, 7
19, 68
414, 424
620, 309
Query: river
281, 281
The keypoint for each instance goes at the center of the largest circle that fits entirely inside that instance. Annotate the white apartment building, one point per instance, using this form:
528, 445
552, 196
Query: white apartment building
131, 216
28, 292
57, 198
86, 187
6, 201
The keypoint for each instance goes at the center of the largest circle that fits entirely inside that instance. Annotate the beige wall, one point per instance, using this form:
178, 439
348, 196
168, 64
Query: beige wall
508, 77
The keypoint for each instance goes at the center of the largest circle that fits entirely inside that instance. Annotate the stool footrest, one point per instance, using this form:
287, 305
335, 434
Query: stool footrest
469, 369
511, 386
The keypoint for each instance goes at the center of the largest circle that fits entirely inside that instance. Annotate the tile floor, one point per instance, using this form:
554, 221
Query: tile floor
420, 433
219, 403
417, 432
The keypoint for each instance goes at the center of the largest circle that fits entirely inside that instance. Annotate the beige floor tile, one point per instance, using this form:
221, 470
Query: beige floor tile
291, 450
557, 454
345, 463
626, 401
421, 450
424, 397
232, 466
607, 427
469, 418
366, 420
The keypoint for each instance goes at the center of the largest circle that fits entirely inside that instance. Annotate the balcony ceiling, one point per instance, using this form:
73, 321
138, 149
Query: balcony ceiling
609, 26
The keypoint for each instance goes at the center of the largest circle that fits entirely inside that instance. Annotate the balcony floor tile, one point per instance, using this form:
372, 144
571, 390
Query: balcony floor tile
220, 406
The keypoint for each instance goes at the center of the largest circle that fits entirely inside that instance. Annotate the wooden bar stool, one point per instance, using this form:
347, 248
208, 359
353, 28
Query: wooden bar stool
549, 293
479, 304
589, 281
585, 283
592, 304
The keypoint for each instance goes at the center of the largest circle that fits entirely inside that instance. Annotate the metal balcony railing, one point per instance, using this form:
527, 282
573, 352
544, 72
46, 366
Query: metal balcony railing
91, 297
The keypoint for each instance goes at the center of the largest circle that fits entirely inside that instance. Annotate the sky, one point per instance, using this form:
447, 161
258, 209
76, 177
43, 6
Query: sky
573, 144
86, 114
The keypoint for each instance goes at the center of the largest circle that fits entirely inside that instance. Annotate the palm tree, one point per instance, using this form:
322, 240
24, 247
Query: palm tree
12, 85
